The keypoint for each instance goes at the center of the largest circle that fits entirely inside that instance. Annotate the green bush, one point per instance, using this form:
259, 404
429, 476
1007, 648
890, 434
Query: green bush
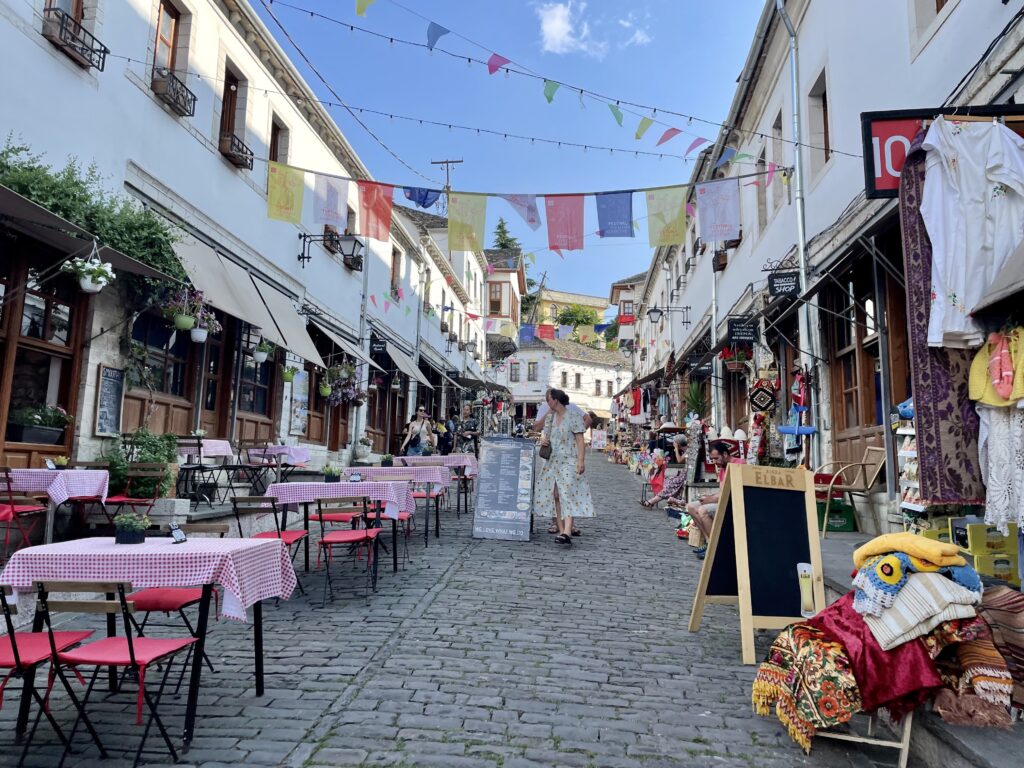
141, 446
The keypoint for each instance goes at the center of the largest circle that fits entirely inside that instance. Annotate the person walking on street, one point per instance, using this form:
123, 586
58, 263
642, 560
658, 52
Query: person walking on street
418, 435
468, 432
561, 486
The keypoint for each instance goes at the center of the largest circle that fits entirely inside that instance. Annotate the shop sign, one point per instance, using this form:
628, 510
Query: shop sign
742, 331
887, 137
784, 283
378, 347
693, 362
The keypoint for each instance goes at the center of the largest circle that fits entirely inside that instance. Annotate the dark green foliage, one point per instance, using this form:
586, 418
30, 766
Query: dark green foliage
142, 446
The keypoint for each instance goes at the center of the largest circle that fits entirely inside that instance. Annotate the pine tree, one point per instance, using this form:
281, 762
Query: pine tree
502, 237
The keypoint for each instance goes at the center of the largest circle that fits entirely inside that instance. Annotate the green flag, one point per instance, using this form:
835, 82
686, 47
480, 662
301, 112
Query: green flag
617, 113
645, 123
550, 86
466, 218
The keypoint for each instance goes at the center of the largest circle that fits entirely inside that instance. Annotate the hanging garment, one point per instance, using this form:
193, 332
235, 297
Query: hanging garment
638, 402
615, 408
973, 209
647, 400
947, 424
1000, 365
1001, 452
628, 400
990, 365
664, 406
1003, 609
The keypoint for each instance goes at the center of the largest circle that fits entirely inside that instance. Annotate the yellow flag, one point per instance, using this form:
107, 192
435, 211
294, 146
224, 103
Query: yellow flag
285, 187
362, 5
666, 216
466, 220
586, 333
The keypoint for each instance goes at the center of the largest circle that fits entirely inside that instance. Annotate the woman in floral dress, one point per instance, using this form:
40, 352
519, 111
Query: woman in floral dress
562, 492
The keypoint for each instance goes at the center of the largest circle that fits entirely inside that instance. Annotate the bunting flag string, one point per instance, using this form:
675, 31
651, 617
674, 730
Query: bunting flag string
668, 135
496, 62
285, 189
616, 113
526, 207
615, 214
375, 202
718, 209
362, 5
699, 141
434, 33
666, 216
565, 222
641, 129
565, 331
725, 157
546, 332
330, 198
550, 86
424, 198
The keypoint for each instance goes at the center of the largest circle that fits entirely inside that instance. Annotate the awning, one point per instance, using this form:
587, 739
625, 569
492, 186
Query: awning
408, 367
602, 414
290, 323
19, 213
348, 347
1008, 282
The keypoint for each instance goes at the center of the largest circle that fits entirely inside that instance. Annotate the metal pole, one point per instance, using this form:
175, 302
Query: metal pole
364, 344
808, 327
882, 324
716, 364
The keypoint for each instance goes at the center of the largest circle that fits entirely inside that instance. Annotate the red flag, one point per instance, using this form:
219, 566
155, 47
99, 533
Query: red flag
545, 331
668, 135
375, 209
448, 279
495, 63
565, 222
471, 316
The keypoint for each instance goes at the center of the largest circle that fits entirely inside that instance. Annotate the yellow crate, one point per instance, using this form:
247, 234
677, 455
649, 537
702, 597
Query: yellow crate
976, 537
1000, 565
937, 534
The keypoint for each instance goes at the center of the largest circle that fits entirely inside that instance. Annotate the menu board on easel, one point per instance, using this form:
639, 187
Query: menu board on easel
109, 401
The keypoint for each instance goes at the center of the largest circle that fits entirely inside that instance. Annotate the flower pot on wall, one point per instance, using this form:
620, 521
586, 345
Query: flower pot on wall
325, 390
259, 357
28, 433
184, 322
199, 335
89, 285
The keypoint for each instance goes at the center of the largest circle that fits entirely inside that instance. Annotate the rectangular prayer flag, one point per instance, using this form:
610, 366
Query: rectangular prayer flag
467, 216
525, 206
375, 209
285, 187
718, 210
614, 214
666, 216
545, 332
526, 333
587, 334
565, 222
330, 201
564, 331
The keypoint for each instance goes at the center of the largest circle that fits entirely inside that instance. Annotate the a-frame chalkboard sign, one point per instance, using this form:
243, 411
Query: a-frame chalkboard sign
765, 524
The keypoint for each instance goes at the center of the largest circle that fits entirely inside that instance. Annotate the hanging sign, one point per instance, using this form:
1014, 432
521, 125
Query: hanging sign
693, 362
742, 331
784, 283
378, 347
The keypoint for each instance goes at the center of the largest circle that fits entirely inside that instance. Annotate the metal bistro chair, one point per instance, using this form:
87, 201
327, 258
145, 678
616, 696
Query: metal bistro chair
849, 479
334, 510
135, 497
196, 481
79, 504
261, 506
22, 512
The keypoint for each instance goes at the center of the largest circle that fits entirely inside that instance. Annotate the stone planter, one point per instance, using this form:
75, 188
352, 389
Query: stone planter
361, 451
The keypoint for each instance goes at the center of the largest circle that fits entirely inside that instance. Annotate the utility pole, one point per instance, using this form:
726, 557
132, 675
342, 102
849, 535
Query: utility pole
540, 289
447, 171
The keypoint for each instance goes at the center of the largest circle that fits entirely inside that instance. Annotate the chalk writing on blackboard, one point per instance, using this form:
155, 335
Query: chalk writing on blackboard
109, 401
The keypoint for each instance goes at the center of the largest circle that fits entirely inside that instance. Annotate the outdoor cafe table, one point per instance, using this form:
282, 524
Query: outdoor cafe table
295, 454
248, 571
60, 485
463, 464
395, 498
439, 478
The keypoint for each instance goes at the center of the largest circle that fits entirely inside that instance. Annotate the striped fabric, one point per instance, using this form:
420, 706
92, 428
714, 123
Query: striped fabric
927, 600
984, 671
1003, 609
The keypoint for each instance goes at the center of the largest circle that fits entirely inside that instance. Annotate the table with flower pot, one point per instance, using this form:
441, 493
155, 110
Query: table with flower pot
60, 485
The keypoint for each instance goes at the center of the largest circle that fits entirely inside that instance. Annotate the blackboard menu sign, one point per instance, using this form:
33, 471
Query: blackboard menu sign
784, 283
109, 401
504, 500
766, 523
742, 332
378, 347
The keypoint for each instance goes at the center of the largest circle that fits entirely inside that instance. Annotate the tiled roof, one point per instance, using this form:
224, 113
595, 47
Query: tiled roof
573, 350
500, 257
634, 280
564, 297
423, 219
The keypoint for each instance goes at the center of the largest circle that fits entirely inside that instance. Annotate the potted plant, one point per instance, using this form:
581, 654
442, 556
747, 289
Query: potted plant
288, 372
130, 528
387, 460
43, 425
325, 387
359, 397
332, 474
61, 462
93, 275
206, 323
362, 447
428, 450
183, 307
262, 351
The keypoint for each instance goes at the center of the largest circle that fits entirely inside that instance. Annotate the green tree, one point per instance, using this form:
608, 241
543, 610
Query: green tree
502, 237
576, 315
611, 333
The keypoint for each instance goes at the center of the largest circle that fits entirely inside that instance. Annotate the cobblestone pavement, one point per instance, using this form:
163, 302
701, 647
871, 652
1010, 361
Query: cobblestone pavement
486, 654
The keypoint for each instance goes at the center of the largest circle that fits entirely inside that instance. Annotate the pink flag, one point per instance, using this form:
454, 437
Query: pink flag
691, 210
565, 222
668, 135
490, 269
373, 299
771, 174
387, 305
471, 316
694, 144
488, 325
375, 209
495, 63
401, 294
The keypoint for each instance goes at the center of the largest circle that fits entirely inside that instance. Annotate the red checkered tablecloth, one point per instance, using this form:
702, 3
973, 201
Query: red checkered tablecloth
248, 570
397, 497
217, 448
290, 454
61, 484
438, 477
467, 460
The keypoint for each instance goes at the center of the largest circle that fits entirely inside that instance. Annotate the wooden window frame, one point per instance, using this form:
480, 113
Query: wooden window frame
396, 269
165, 7
274, 150
167, 359
229, 103
513, 372
495, 288
531, 371
271, 386
597, 387
565, 379
578, 381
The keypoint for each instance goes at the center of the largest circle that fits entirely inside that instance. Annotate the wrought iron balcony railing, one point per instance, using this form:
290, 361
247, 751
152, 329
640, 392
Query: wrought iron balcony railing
173, 92
73, 39
236, 151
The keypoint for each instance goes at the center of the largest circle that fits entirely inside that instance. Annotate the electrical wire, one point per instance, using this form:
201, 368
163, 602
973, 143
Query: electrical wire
526, 72
991, 47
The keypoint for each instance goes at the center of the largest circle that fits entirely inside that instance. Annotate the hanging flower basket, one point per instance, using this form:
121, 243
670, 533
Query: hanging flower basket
735, 366
288, 373
325, 390
93, 274
262, 351
184, 322
199, 335
90, 285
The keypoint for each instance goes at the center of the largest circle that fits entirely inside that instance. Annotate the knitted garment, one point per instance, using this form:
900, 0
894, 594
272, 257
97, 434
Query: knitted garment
883, 576
927, 549
926, 600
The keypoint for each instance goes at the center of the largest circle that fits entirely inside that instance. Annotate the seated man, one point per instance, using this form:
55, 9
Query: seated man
703, 509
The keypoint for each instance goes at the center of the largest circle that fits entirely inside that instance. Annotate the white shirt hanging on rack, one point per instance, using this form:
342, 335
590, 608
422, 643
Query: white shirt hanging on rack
973, 209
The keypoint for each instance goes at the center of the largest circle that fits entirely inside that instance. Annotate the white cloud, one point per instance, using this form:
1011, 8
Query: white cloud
564, 30
640, 34
639, 37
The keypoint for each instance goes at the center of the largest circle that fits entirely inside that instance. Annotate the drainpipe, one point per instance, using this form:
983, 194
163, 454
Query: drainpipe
808, 325
364, 344
716, 363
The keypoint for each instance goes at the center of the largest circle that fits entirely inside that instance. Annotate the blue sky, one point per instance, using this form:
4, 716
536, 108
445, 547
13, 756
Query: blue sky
682, 55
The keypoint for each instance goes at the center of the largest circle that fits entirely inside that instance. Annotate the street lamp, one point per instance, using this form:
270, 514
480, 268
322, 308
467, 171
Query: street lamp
471, 346
654, 314
627, 352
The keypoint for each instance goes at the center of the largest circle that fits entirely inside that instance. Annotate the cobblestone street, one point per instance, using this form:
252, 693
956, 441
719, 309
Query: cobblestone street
490, 654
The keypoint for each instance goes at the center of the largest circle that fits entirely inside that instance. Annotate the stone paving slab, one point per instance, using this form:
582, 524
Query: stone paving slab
484, 654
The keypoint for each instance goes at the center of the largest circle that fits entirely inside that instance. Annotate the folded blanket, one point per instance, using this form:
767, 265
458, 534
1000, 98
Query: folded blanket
807, 677
952, 632
931, 550
883, 576
1003, 610
970, 709
984, 671
924, 602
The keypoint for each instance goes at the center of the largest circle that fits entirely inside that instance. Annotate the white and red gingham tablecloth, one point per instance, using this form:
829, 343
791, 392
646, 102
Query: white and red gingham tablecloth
213, 447
397, 497
61, 484
467, 460
248, 570
438, 477
292, 454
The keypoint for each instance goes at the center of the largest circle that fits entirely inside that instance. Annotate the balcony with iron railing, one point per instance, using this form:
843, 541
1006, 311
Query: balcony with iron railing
73, 39
173, 92
236, 151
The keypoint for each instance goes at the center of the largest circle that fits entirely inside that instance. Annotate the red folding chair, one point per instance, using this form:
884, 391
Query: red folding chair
259, 507
22, 512
354, 540
141, 490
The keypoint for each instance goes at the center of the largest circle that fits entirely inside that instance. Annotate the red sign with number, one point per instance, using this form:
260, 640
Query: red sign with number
890, 143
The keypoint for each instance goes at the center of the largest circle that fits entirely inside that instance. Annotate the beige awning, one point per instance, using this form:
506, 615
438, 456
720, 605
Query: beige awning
347, 346
291, 324
405, 363
1008, 282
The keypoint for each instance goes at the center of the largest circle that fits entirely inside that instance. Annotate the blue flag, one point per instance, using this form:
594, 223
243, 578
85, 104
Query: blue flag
565, 331
614, 214
601, 328
424, 198
434, 33
527, 333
